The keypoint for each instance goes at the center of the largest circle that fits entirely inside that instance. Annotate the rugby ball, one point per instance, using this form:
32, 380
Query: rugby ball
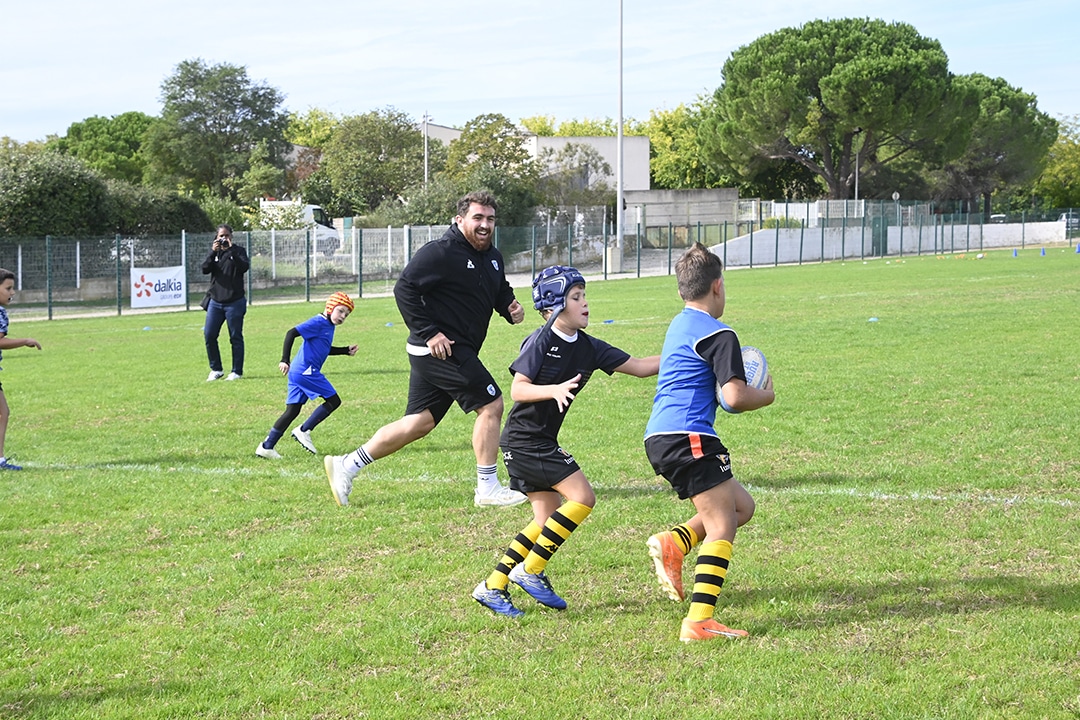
756, 369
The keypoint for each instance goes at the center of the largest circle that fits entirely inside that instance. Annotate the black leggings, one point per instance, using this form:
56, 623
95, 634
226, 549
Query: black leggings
292, 411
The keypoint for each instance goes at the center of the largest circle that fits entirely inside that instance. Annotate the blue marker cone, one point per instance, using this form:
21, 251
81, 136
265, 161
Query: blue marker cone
1078, 248
1014, 252
1043, 253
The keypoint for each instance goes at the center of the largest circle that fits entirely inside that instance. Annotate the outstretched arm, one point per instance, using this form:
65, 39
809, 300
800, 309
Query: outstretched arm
523, 390
641, 367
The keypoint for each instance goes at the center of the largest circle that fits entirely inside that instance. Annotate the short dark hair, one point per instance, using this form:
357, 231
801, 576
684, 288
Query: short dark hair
480, 197
696, 271
6, 274
226, 228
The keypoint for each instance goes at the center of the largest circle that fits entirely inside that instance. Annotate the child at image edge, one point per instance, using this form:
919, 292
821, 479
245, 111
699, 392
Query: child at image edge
306, 380
7, 292
700, 354
553, 366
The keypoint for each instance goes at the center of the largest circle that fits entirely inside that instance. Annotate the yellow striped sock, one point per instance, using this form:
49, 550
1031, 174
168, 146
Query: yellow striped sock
685, 537
712, 566
517, 551
557, 528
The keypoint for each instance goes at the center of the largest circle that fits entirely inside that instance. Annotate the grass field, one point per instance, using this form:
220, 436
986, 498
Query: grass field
914, 553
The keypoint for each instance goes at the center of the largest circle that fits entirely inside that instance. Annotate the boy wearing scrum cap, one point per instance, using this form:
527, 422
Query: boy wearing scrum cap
553, 366
306, 380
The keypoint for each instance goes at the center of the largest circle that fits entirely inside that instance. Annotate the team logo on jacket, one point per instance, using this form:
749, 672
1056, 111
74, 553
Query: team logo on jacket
495, 264
469, 265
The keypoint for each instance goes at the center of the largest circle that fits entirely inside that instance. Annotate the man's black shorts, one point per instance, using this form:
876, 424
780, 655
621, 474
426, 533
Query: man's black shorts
690, 462
538, 469
436, 384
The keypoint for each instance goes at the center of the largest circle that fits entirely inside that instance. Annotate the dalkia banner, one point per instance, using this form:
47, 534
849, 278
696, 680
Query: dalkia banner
153, 287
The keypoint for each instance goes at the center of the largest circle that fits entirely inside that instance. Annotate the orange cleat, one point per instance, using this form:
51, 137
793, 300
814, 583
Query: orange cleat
668, 559
707, 629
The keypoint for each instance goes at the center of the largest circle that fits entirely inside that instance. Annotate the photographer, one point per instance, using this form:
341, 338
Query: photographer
226, 265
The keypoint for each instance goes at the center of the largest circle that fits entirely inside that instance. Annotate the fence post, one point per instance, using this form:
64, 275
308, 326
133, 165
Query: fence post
48, 274
307, 265
183, 262
119, 289
901, 221
358, 258
273, 254
247, 247
604, 259
776, 250
570, 244
533, 254
637, 240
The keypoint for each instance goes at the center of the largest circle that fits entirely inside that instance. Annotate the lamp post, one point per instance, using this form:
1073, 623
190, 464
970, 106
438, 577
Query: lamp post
619, 194
426, 119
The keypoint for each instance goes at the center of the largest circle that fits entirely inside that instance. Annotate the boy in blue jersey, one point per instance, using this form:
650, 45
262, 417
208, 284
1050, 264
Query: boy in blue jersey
7, 292
306, 380
554, 364
700, 354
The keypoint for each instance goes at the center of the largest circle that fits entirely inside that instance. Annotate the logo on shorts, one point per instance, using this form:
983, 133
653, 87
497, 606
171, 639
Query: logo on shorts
508, 456
725, 462
567, 457
491, 390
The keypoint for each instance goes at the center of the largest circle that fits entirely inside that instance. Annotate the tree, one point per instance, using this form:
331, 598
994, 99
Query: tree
372, 157
678, 158
1008, 146
489, 142
818, 93
213, 116
261, 179
575, 174
45, 193
112, 146
1059, 184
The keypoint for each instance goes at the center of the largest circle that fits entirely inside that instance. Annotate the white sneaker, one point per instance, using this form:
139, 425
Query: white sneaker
268, 453
214, 375
304, 438
340, 484
233, 376
501, 496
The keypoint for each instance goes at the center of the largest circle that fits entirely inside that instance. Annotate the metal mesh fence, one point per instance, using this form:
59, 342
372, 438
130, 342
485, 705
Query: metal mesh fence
62, 276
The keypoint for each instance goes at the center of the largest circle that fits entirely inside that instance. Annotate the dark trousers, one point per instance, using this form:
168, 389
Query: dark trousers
218, 314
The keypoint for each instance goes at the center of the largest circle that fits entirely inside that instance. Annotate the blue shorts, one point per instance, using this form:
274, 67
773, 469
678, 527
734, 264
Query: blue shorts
308, 387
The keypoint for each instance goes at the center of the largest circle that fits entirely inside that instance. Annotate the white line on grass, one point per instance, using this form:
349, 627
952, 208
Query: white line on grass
916, 496
986, 498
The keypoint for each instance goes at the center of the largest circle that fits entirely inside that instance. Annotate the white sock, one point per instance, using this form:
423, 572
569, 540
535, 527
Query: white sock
355, 461
487, 479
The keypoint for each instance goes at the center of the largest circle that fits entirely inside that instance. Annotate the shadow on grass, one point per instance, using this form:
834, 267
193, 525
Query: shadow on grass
78, 701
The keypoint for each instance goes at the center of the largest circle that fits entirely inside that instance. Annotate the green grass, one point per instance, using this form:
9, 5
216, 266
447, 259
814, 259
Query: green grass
914, 552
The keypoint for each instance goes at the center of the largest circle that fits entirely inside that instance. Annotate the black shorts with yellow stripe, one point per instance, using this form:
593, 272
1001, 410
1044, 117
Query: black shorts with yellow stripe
691, 462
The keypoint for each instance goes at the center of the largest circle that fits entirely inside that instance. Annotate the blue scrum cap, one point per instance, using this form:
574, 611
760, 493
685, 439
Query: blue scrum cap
551, 285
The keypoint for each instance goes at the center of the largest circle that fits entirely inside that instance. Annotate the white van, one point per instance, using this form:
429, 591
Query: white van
327, 239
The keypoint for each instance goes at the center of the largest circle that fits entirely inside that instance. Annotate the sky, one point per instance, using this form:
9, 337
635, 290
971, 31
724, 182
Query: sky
63, 61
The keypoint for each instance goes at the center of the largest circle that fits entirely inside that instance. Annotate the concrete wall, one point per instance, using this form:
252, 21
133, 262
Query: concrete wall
657, 208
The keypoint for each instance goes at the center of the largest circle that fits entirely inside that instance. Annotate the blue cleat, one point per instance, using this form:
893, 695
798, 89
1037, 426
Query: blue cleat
538, 586
497, 601
7, 465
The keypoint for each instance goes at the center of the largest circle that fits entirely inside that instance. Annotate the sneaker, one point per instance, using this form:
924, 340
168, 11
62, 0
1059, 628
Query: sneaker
214, 375
340, 484
538, 586
497, 601
8, 465
268, 453
502, 496
668, 560
707, 629
304, 438
234, 376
